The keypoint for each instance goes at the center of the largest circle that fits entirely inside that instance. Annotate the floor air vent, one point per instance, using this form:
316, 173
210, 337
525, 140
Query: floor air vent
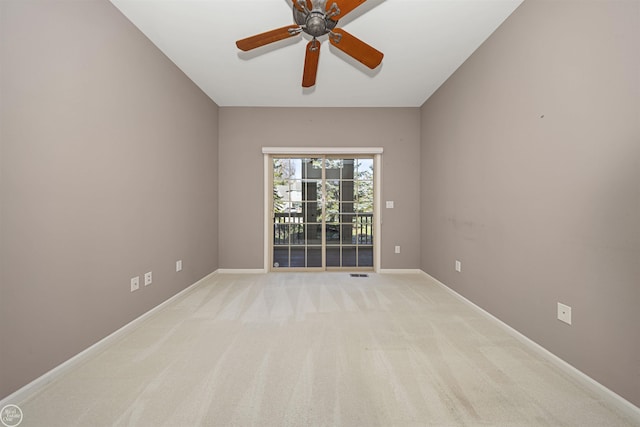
359, 275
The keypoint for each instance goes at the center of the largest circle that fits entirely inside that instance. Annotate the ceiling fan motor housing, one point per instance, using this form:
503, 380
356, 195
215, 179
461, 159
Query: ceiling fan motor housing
314, 22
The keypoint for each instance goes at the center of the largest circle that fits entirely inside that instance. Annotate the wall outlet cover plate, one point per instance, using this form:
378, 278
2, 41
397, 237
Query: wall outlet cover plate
564, 313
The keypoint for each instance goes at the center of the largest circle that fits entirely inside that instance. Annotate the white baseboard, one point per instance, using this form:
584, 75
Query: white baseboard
241, 270
619, 402
400, 271
262, 271
23, 393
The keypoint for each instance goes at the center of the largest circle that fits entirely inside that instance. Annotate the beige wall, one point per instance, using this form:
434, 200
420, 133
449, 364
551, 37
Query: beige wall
243, 133
108, 159
530, 177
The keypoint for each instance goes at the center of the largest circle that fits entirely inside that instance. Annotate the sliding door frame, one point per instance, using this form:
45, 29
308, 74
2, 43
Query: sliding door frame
375, 152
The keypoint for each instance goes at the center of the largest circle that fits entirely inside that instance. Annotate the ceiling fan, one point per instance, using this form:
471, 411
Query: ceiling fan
317, 18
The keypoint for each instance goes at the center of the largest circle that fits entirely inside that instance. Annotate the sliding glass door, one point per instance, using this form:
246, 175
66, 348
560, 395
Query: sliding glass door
322, 210
297, 213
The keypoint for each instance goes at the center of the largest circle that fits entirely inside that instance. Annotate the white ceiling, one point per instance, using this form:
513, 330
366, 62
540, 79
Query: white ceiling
424, 42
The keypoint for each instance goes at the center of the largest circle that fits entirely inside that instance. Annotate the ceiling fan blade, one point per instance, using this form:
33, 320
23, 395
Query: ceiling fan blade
266, 38
311, 63
356, 48
345, 6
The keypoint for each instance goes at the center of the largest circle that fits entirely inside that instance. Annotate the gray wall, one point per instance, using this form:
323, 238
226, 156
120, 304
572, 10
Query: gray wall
243, 133
530, 177
108, 157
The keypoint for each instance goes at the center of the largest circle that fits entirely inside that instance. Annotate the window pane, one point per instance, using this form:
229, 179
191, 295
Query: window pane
364, 238
365, 257
363, 208
332, 212
314, 236
311, 191
281, 234
333, 256
364, 229
348, 168
348, 256
364, 191
348, 218
333, 167
295, 166
348, 193
333, 234
348, 236
314, 256
281, 257
297, 258
295, 209
297, 236
333, 190
286, 208
364, 169
312, 212
312, 169
295, 191
347, 207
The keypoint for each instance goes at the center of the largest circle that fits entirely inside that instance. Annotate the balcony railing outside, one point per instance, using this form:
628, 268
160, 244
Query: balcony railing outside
290, 229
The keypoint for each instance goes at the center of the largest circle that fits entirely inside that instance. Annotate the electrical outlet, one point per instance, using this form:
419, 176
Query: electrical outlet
389, 204
148, 279
458, 266
397, 249
135, 283
179, 265
564, 313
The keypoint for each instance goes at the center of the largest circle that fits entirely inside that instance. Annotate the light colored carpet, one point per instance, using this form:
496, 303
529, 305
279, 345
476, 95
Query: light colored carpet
318, 350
